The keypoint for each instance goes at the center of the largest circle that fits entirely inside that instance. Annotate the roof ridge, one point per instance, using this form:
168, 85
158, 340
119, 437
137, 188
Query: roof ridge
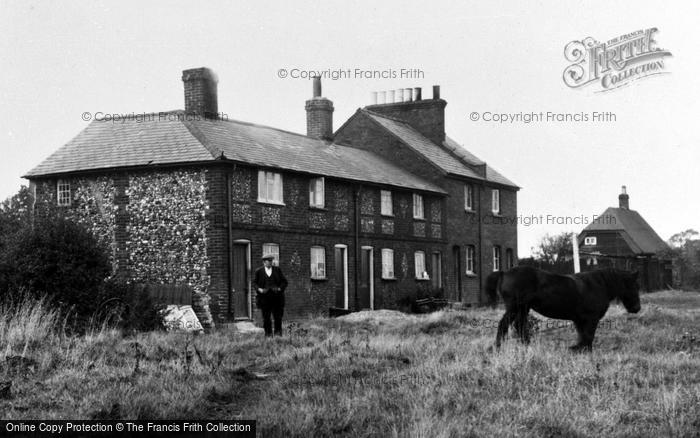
384, 116
258, 125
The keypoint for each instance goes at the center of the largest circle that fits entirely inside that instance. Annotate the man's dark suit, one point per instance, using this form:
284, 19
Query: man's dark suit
271, 301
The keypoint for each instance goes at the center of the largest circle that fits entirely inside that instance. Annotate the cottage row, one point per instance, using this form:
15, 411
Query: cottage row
384, 208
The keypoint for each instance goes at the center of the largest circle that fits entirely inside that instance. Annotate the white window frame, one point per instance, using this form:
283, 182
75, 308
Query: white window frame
317, 192
388, 264
270, 187
590, 240
274, 249
419, 263
418, 211
387, 203
63, 193
495, 201
496, 258
471, 256
469, 197
318, 262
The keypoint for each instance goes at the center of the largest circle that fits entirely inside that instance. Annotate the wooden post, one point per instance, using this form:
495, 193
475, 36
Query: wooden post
577, 262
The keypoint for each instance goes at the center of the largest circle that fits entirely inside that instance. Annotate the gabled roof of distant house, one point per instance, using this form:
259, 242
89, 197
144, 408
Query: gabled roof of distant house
450, 156
176, 139
641, 238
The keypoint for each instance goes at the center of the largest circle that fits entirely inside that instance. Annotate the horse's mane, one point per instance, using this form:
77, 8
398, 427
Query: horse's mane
613, 279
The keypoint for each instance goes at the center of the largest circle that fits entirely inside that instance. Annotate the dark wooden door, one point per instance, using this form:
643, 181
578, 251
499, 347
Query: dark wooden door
457, 269
436, 268
365, 279
340, 276
240, 282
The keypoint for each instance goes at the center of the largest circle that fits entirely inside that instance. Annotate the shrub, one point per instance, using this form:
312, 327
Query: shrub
58, 258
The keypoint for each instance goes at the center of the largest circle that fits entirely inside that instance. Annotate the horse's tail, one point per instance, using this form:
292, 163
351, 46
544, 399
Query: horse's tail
493, 286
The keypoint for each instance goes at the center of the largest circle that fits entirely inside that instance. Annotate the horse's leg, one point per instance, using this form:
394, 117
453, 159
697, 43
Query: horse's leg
579, 332
589, 328
503, 326
522, 326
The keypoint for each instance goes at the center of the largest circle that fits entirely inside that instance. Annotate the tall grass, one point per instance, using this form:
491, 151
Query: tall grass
376, 374
27, 322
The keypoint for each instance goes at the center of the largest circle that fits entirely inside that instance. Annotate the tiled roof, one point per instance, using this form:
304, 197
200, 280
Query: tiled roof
451, 157
634, 229
104, 145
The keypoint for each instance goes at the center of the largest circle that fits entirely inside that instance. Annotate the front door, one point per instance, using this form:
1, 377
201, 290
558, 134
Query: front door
436, 267
457, 269
365, 290
240, 293
341, 277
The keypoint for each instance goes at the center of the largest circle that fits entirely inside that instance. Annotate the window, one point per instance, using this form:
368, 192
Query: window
387, 263
270, 187
495, 201
590, 241
63, 192
471, 251
274, 249
469, 197
318, 262
387, 207
421, 273
509, 258
316, 193
417, 206
496, 258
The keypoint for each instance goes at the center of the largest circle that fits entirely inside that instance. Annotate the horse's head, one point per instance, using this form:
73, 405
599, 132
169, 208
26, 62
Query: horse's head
629, 295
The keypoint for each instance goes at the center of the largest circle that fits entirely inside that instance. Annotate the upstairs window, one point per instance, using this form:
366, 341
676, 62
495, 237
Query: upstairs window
495, 201
318, 262
387, 263
387, 206
591, 240
468, 197
317, 192
418, 207
272, 249
63, 193
471, 252
270, 187
496, 258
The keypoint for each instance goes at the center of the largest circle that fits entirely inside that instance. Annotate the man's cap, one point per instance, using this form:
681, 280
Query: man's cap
268, 257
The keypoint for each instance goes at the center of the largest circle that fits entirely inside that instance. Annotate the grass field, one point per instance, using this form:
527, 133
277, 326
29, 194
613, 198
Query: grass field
368, 374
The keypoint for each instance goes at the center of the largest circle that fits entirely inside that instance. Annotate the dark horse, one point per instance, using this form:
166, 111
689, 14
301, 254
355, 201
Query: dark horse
582, 298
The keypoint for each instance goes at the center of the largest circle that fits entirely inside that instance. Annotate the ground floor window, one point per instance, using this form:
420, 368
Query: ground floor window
318, 262
421, 273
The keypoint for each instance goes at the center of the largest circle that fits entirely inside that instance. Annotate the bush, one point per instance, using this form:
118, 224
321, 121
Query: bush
57, 258
127, 306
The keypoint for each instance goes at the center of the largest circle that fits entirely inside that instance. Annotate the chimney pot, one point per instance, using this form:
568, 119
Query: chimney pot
317, 86
436, 91
408, 94
392, 96
382, 97
417, 93
374, 97
399, 95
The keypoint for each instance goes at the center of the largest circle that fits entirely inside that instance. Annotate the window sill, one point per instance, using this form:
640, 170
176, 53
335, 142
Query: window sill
496, 214
317, 208
388, 215
422, 219
262, 201
470, 211
389, 278
319, 278
422, 279
471, 274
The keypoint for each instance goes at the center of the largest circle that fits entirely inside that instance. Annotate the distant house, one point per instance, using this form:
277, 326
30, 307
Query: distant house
621, 238
358, 219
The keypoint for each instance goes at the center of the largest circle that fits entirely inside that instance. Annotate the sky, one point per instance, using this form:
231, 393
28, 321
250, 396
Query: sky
63, 59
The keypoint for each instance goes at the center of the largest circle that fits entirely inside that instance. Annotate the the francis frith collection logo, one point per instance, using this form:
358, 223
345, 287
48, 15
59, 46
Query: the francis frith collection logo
614, 63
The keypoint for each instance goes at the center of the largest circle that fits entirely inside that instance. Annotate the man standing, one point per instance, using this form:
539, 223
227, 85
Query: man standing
269, 282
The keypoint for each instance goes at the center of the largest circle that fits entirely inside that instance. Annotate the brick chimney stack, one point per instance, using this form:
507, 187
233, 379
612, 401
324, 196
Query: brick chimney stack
319, 114
624, 199
427, 116
200, 92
